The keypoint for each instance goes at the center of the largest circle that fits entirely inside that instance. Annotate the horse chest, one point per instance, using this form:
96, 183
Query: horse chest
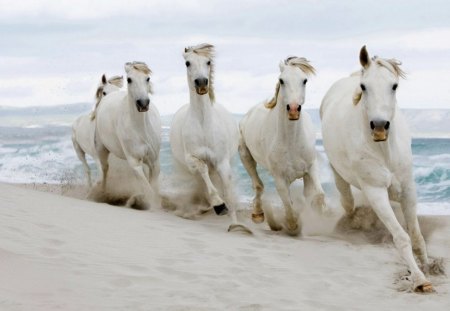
205, 143
290, 163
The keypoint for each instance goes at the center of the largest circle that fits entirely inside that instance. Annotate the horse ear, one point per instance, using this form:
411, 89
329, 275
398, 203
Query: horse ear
364, 57
104, 79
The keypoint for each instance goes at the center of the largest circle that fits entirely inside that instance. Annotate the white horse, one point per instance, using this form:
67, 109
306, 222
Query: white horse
204, 134
369, 147
83, 129
275, 136
129, 127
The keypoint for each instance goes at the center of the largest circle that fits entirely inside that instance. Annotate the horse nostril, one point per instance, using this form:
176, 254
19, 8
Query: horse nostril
287, 107
386, 126
372, 125
206, 82
139, 102
299, 108
197, 82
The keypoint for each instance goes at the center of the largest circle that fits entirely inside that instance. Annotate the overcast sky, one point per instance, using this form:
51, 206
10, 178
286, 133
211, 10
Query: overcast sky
54, 52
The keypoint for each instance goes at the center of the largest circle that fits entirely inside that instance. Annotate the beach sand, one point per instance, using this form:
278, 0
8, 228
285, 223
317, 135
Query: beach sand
63, 253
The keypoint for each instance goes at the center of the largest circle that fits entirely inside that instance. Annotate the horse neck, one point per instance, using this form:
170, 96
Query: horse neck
287, 130
201, 107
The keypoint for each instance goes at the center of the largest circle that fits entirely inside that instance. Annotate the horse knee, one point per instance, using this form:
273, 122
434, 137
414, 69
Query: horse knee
402, 240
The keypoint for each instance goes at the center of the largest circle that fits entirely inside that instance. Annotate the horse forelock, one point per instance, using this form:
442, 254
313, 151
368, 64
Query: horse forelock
391, 64
302, 63
206, 50
139, 66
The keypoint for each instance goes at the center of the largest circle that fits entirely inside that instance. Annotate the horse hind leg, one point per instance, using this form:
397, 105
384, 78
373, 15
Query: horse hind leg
345, 191
82, 156
250, 166
313, 190
103, 154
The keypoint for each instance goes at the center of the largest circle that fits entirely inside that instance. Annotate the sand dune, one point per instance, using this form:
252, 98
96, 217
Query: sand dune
60, 253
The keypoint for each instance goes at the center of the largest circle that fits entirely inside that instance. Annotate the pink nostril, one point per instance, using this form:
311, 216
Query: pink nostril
294, 107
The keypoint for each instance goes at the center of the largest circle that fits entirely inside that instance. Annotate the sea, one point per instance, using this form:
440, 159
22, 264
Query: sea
36, 147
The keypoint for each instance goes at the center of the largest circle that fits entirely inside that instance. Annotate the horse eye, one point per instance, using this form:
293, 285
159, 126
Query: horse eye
128, 80
363, 87
394, 87
148, 79
208, 63
104, 93
281, 81
188, 64
304, 81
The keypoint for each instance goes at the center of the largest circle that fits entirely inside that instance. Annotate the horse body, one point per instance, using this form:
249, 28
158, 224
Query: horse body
83, 128
129, 127
204, 135
276, 137
369, 147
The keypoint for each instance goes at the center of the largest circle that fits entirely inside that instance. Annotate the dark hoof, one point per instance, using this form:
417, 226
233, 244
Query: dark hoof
221, 209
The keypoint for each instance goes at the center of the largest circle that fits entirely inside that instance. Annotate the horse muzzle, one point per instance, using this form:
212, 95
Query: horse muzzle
380, 130
293, 111
202, 90
142, 105
201, 86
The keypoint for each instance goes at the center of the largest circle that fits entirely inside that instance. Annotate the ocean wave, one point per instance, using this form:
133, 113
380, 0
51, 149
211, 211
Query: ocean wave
45, 154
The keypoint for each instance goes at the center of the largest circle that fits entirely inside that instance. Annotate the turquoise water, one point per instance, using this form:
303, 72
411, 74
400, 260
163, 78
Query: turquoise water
45, 154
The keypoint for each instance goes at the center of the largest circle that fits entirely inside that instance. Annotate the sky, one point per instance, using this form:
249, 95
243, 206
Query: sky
54, 52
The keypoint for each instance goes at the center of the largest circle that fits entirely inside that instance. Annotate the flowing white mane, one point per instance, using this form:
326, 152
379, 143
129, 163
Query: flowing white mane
299, 62
206, 50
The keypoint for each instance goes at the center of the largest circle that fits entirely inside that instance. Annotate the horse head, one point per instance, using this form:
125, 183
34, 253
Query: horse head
107, 86
200, 68
291, 86
139, 87
378, 85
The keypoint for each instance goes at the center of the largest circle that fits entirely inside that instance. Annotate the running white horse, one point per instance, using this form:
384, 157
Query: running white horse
83, 129
281, 138
369, 147
204, 135
129, 127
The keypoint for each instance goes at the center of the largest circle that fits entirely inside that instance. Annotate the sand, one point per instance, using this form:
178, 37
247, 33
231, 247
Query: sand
63, 253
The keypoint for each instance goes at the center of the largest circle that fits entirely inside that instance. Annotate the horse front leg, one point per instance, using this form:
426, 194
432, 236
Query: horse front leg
313, 190
282, 186
153, 178
146, 190
409, 208
224, 172
197, 166
379, 200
